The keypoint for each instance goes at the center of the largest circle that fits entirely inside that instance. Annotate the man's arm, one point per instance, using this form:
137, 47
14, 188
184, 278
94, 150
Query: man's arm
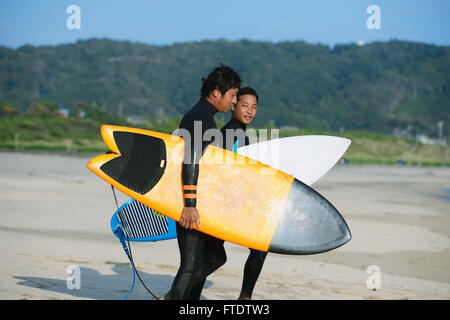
190, 170
190, 215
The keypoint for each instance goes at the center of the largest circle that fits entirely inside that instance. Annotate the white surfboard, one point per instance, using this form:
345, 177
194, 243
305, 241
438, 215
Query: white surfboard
306, 158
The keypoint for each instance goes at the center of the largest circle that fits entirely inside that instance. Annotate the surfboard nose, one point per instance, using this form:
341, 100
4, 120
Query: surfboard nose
309, 224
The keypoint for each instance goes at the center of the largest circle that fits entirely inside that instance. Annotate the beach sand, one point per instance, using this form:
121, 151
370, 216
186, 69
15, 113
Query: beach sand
55, 214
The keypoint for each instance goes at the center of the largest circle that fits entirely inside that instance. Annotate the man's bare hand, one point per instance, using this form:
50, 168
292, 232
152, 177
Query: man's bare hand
189, 216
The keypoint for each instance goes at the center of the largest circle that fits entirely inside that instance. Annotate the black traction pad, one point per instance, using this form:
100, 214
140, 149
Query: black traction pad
141, 164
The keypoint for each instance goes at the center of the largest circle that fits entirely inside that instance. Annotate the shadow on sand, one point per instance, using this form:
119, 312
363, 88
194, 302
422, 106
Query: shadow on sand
94, 285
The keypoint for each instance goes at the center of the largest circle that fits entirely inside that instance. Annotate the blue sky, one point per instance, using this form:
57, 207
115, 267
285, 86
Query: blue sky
43, 22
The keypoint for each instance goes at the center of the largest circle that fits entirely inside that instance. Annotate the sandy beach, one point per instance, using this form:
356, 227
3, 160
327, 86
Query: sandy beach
55, 214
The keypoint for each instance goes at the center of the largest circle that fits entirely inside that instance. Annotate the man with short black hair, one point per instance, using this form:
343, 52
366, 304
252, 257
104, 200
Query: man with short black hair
234, 137
243, 113
200, 254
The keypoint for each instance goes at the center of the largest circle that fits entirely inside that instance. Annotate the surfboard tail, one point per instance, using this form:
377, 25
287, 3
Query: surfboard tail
142, 223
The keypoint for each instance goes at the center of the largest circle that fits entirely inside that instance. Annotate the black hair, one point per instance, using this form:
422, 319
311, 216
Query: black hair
246, 90
222, 78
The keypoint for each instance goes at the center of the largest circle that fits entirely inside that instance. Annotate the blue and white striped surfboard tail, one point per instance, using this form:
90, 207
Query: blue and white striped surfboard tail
141, 223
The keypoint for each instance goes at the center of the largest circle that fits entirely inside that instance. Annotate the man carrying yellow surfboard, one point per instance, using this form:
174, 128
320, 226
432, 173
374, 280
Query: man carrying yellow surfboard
198, 251
233, 137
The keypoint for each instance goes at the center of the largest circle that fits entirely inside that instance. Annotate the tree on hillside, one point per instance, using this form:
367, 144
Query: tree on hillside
45, 109
7, 110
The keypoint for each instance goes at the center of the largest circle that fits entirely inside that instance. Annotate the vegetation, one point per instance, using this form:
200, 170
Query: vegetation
75, 133
377, 87
56, 97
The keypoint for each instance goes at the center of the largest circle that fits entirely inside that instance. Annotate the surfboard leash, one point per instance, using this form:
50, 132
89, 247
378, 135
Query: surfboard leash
127, 248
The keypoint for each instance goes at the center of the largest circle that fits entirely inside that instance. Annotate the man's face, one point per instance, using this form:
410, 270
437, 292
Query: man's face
245, 110
227, 100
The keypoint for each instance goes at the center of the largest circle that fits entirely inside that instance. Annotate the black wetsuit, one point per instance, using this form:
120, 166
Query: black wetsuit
200, 254
255, 260
236, 132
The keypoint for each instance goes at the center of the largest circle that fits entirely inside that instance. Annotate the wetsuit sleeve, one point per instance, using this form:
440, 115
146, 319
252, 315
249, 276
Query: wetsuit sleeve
190, 177
190, 169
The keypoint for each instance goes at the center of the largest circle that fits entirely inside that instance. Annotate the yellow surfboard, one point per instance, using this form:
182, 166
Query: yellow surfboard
239, 199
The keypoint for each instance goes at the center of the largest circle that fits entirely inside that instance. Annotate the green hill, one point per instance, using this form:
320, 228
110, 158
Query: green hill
377, 87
